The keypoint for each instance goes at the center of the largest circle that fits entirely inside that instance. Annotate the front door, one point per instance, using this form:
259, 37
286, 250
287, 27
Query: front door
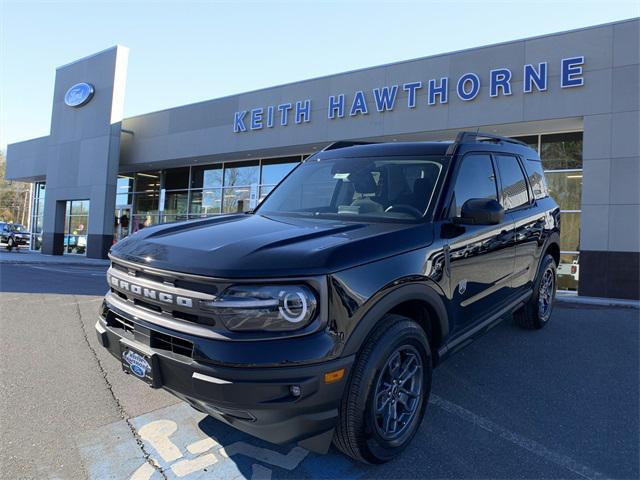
481, 257
122, 223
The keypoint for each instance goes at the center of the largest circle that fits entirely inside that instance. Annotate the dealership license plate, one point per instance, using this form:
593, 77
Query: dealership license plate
137, 364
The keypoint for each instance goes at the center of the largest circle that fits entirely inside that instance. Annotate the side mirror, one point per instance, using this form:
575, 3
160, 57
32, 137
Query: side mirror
481, 211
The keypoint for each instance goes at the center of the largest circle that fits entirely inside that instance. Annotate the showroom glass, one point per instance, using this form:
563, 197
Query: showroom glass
37, 214
561, 155
76, 224
393, 188
124, 189
514, 186
475, 179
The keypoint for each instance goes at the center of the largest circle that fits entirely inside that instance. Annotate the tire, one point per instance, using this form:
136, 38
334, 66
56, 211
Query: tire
536, 313
10, 244
395, 344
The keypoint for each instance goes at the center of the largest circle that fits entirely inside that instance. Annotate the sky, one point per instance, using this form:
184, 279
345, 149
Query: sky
188, 51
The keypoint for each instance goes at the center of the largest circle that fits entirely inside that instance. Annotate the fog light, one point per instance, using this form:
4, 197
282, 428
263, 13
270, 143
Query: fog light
334, 376
295, 390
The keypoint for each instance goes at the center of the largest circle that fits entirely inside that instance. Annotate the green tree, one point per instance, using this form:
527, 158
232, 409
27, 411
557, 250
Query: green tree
14, 197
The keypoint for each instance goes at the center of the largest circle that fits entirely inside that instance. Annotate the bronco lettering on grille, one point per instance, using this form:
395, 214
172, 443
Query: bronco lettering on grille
150, 293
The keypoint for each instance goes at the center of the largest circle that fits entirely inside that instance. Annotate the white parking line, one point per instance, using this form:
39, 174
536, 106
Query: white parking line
523, 442
82, 271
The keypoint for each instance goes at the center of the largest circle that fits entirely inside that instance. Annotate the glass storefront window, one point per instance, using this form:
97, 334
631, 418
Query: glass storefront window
76, 226
37, 213
138, 222
264, 191
205, 202
175, 203
565, 188
238, 174
236, 200
146, 203
147, 181
176, 178
531, 140
570, 231
207, 176
273, 173
124, 188
561, 150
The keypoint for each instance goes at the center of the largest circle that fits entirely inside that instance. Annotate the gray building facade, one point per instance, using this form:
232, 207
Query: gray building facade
573, 96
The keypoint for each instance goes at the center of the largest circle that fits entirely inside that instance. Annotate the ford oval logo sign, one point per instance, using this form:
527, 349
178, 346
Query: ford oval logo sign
79, 94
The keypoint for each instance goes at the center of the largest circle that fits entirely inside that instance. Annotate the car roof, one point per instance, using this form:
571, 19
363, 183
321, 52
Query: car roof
384, 149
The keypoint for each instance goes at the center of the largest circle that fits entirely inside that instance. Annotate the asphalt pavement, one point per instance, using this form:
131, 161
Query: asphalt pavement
557, 403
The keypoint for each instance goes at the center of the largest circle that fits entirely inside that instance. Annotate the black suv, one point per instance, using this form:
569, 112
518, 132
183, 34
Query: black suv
13, 235
320, 316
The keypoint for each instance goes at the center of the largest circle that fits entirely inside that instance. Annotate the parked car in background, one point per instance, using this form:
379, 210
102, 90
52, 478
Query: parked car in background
13, 236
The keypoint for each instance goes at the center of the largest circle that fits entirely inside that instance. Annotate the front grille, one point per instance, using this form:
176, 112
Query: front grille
172, 285
162, 341
157, 340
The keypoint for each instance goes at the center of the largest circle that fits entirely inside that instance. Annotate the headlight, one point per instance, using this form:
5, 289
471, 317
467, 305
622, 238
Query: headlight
272, 308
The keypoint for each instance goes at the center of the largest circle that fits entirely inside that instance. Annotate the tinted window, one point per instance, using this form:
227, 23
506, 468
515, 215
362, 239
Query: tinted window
514, 185
476, 179
536, 179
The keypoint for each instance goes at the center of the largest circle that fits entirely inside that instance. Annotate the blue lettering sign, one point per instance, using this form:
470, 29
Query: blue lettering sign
571, 75
385, 98
256, 119
270, 115
499, 78
465, 93
537, 77
303, 111
440, 90
238, 122
359, 104
284, 113
336, 106
411, 88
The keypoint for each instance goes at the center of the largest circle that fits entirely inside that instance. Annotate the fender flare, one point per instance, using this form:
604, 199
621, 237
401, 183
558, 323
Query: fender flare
414, 291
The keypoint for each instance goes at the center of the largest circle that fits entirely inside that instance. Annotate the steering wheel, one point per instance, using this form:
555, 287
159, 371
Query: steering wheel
403, 208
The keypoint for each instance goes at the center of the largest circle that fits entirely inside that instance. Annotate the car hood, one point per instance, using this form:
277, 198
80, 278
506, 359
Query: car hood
247, 246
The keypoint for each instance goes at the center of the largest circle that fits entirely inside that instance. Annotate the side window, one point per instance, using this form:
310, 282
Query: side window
476, 179
514, 186
537, 181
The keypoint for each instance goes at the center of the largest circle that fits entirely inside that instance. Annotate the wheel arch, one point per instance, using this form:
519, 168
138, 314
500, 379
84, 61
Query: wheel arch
416, 301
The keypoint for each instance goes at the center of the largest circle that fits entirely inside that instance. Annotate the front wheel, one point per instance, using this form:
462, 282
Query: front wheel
10, 244
535, 314
385, 400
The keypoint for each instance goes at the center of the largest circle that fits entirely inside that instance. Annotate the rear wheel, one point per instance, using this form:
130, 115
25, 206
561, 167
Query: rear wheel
385, 400
535, 314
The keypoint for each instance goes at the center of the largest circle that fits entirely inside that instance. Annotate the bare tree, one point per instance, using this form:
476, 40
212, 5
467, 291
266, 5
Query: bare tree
15, 197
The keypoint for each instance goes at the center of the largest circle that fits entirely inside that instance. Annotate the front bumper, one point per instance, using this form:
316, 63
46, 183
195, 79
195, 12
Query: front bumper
255, 400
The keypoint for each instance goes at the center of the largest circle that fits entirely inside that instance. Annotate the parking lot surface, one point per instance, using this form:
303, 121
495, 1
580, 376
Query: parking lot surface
558, 403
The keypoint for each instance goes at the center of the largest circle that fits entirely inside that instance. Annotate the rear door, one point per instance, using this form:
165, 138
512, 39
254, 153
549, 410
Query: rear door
529, 221
481, 257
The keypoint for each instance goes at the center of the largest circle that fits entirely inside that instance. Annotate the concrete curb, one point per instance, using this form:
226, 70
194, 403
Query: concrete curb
598, 301
39, 259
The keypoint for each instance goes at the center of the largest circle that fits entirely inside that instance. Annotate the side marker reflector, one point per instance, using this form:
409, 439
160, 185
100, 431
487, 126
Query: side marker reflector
336, 375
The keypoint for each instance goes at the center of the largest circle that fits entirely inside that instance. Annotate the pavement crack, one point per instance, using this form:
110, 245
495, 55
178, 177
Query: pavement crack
121, 410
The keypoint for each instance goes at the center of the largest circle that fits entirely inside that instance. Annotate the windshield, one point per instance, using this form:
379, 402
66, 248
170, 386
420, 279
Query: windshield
18, 228
400, 188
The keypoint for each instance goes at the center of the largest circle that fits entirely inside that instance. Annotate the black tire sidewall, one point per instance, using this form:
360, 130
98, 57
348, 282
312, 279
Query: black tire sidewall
378, 449
547, 262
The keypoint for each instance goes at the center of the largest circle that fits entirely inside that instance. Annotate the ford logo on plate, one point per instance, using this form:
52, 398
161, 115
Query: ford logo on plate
79, 94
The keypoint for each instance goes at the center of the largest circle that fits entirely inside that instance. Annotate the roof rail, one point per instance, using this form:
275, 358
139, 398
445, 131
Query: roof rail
473, 137
345, 144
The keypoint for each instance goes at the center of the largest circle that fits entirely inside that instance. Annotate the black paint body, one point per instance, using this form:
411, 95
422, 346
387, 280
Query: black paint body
455, 280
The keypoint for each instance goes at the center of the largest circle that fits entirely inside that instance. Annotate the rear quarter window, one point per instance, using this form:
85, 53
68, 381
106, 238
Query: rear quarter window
535, 172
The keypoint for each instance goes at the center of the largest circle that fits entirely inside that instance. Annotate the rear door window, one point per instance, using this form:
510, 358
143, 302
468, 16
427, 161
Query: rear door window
514, 186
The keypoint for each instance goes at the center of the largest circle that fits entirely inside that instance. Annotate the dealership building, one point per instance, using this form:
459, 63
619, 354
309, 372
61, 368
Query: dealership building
572, 96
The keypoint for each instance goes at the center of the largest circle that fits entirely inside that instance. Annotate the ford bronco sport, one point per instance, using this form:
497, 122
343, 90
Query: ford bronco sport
319, 316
